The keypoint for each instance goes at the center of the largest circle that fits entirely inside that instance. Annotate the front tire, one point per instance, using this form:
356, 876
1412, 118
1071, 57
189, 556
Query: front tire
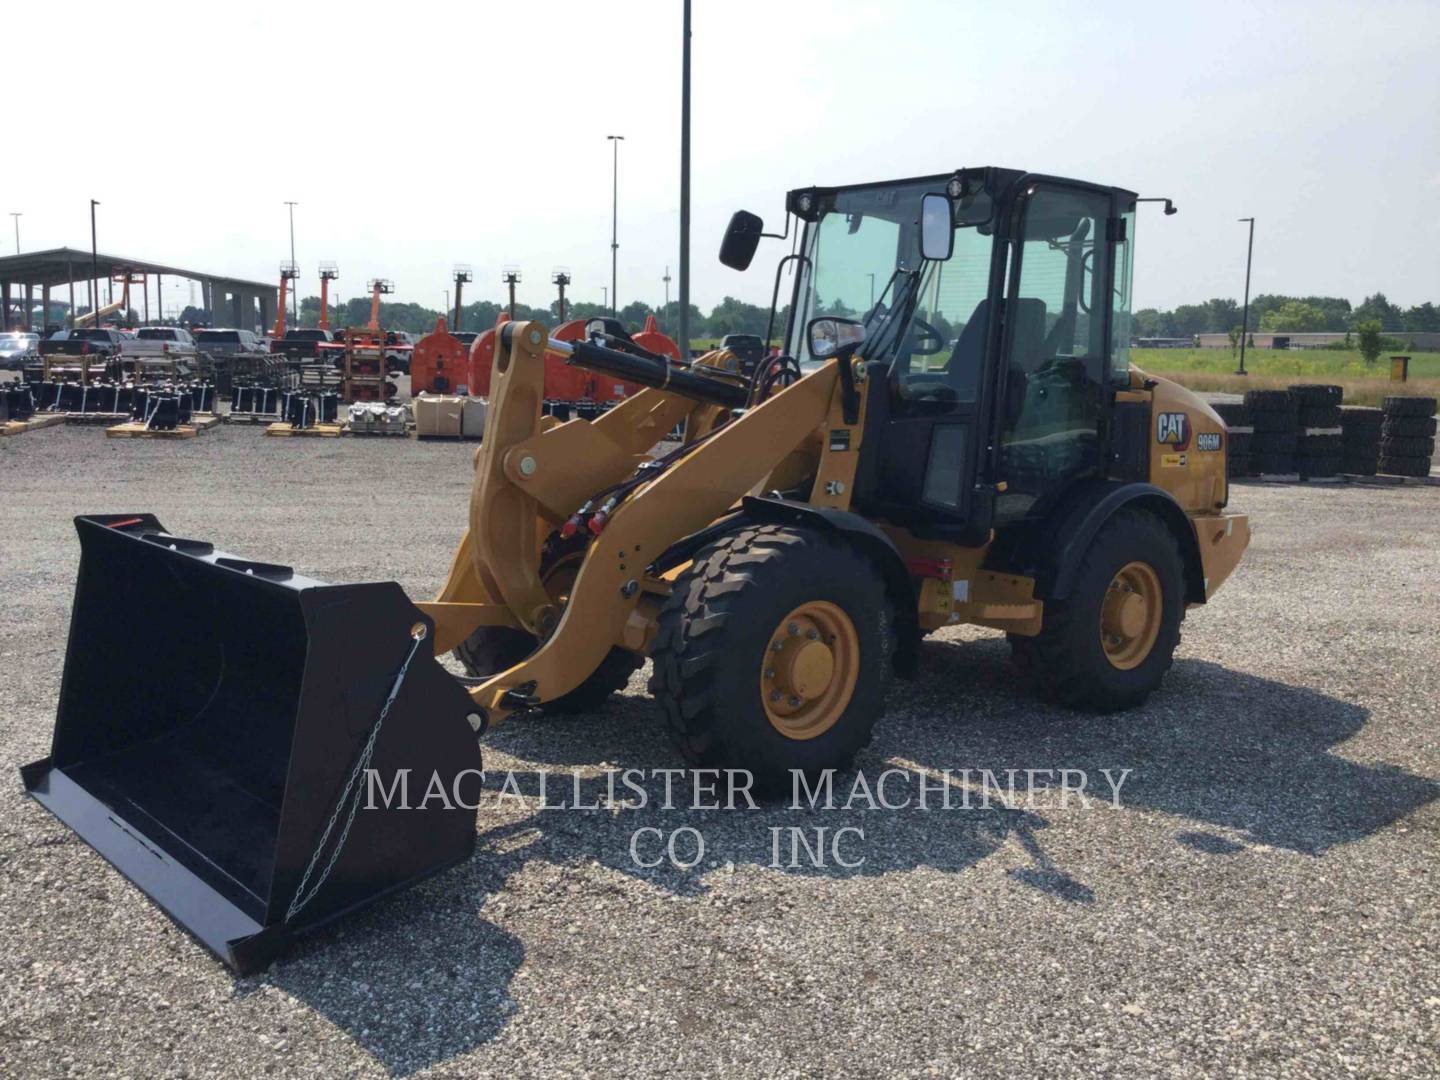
774, 653
1108, 645
492, 649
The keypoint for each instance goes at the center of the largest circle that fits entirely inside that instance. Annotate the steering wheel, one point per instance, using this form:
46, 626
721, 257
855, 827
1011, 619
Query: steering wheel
923, 338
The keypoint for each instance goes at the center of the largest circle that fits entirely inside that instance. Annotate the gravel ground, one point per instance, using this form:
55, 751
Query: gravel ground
1264, 902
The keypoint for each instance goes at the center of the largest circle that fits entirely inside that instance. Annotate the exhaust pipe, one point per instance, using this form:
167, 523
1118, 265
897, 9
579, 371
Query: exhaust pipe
218, 722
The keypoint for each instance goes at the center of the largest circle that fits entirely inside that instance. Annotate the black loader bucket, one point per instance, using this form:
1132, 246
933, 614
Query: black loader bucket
211, 714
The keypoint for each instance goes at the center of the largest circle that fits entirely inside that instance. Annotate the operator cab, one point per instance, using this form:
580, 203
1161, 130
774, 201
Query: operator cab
993, 340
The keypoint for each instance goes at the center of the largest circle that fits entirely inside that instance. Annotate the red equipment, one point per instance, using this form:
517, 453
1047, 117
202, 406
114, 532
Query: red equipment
482, 359
440, 363
562, 381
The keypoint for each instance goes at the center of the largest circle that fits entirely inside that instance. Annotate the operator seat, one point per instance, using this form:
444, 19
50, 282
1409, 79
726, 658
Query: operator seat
962, 370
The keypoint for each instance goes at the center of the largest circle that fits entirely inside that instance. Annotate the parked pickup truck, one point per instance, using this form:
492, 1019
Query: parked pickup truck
240, 358
66, 352
164, 350
308, 345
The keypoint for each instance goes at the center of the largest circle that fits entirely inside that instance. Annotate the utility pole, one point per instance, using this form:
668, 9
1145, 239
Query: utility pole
94, 269
872, 292
684, 341
295, 299
560, 278
615, 141
1245, 318
17, 215
511, 278
604, 296
462, 277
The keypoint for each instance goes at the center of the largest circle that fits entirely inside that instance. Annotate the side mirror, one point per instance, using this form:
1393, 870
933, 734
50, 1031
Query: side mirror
937, 229
742, 237
830, 336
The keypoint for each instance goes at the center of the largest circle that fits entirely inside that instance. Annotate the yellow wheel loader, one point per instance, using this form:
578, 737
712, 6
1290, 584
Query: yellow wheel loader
950, 432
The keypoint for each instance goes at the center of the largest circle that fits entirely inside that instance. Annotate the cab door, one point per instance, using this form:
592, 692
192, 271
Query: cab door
929, 419
1055, 352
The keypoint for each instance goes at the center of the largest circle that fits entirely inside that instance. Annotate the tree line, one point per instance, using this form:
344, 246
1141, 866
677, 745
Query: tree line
1273, 312
730, 316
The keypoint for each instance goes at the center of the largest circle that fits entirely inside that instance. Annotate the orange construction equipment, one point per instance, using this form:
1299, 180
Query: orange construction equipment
288, 273
328, 273
440, 363
651, 338
564, 382
378, 287
482, 358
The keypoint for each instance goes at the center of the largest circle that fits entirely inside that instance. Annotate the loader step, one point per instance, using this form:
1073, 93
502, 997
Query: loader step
135, 430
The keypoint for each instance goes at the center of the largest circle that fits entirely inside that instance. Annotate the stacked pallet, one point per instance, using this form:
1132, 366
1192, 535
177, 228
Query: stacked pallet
1360, 440
1275, 415
1319, 445
1407, 436
1239, 427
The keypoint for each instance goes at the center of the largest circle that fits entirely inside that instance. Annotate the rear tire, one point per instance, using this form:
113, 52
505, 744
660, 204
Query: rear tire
1091, 652
715, 657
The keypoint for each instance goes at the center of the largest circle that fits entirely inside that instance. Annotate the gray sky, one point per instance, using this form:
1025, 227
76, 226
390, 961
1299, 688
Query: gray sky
477, 132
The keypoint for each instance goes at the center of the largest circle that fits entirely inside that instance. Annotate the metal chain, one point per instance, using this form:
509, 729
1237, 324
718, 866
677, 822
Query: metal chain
362, 765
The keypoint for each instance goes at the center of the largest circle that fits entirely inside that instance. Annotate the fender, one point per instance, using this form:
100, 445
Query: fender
1072, 526
870, 540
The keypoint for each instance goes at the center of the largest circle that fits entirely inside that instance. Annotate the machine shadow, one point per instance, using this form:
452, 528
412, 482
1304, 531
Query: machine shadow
1218, 747
1221, 749
414, 980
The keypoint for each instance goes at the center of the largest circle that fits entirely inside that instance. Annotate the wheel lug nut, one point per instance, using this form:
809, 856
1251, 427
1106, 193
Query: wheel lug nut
795, 702
813, 635
794, 628
777, 645
775, 696
769, 673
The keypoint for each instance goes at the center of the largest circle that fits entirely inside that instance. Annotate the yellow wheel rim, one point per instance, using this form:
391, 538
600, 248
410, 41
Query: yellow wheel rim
809, 670
1130, 615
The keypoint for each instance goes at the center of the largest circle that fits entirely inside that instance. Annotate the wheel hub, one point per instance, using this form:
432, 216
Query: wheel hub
1130, 615
809, 670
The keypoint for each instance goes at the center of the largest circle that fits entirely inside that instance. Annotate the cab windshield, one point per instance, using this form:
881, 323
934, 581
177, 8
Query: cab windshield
864, 263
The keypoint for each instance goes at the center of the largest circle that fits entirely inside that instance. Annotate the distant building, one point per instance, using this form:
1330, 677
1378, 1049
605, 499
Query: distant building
1423, 340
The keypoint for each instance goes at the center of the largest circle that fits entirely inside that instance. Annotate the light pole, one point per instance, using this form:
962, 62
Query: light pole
94, 268
560, 277
667, 279
684, 341
511, 277
1245, 318
295, 299
872, 291
604, 296
615, 141
16, 214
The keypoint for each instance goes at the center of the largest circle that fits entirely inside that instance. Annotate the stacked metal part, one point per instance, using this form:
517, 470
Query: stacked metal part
1407, 436
1360, 440
255, 401
1320, 445
1275, 415
1239, 427
378, 418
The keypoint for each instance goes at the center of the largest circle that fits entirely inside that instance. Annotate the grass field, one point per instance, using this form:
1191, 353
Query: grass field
1365, 384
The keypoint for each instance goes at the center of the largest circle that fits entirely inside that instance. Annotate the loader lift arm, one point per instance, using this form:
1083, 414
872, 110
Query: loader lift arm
529, 475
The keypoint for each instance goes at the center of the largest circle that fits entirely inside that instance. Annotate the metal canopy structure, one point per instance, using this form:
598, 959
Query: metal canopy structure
231, 301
